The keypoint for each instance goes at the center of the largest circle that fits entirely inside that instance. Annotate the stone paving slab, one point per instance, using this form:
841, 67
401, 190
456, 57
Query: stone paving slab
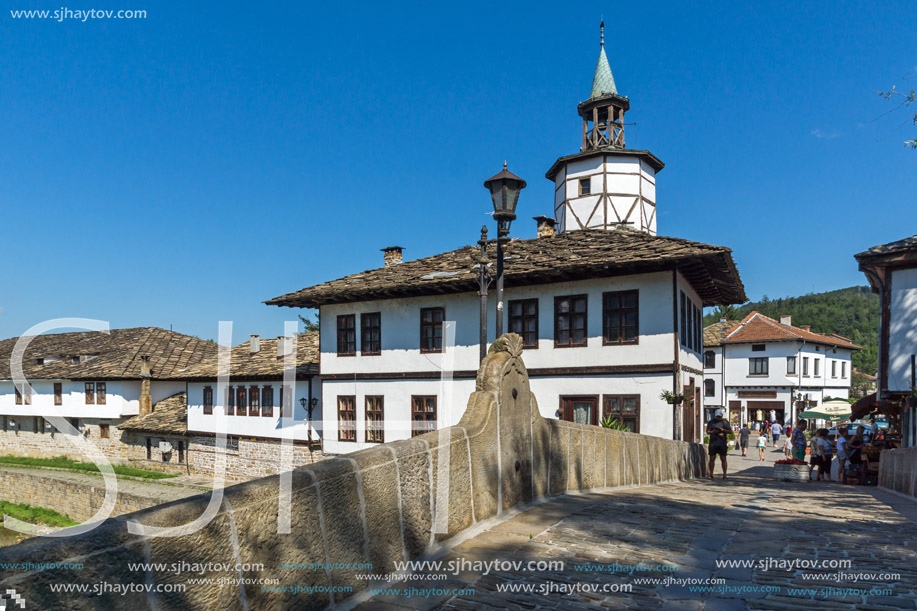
748, 517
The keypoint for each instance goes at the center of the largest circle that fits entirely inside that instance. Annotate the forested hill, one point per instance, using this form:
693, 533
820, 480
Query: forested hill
852, 312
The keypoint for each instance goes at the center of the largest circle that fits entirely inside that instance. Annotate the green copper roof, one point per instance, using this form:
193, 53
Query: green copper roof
603, 82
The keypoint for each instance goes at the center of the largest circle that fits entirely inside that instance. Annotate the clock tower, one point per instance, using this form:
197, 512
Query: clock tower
605, 185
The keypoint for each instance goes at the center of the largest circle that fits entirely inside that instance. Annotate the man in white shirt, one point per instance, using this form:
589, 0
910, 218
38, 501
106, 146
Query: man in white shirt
776, 430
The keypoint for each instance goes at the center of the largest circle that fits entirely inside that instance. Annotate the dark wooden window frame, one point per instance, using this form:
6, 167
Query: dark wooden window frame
208, 400
565, 407
585, 313
254, 401
230, 401
753, 368
375, 418
513, 319
587, 183
684, 319
709, 359
621, 312
620, 413
100, 393
90, 393
347, 418
433, 325
58, 393
241, 401
267, 401
369, 322
423, 414
104, 431
347, 335
709, 388
759, 347
18, 395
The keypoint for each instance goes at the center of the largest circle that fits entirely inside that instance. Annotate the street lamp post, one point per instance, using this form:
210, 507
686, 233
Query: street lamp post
483, 266
311, 403
504, 191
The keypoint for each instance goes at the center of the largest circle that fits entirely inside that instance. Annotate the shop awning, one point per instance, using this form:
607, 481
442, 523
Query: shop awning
833, 411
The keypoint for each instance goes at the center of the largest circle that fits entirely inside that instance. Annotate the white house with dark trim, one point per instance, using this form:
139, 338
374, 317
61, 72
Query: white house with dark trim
758, 365
94, 379
609, 312
892, 273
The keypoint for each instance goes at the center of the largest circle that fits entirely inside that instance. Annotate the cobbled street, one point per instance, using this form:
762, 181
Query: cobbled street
748, 517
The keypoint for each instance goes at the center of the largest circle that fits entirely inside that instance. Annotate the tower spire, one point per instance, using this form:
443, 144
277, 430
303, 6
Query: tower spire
603, 82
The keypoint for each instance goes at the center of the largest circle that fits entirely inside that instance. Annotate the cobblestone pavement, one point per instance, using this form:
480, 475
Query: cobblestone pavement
748, 517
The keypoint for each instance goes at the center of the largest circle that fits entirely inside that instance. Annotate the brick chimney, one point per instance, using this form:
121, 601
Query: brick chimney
254, 344
392, 255
786, 320
146, 401
805, 327
545, 226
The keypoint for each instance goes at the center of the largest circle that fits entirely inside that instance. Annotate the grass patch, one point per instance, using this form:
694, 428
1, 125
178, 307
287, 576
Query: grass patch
35, 515
62, 462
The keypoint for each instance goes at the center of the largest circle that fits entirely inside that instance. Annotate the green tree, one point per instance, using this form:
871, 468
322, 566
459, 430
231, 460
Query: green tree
310, 324
726, 312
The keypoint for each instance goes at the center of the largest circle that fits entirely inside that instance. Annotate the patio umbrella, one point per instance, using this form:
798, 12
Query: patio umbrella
832, 411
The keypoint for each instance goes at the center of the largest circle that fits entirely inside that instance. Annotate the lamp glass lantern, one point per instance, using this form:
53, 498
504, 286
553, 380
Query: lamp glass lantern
504, 191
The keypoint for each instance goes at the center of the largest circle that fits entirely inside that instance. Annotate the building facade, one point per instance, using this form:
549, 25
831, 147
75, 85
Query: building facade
96, 380
892, 273
758, 366
609, 312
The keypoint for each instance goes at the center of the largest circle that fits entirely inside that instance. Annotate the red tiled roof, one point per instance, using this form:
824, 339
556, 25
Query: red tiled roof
757, 327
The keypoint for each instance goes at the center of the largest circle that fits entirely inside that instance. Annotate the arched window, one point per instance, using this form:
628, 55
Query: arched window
709, 388
709, 359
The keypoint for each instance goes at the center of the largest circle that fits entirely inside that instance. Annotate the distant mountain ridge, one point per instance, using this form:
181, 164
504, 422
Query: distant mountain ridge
852, 312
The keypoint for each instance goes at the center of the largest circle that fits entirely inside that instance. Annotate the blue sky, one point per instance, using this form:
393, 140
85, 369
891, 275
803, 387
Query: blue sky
180, 169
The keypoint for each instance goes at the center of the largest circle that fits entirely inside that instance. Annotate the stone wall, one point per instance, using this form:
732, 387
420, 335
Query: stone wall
384, 504
74, 497
246, 458
898, 471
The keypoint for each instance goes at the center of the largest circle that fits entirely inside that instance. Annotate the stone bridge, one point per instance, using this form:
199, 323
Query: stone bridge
395, 502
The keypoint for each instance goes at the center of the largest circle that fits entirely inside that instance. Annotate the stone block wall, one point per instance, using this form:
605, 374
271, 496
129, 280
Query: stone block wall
898, 471
384, 504
74, 498
245, 458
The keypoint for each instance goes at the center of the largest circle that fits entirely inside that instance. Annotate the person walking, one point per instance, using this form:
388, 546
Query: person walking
776, 430
744, 434
799, 440
841, 446
825, 448
762, 443
787, 447
718, 430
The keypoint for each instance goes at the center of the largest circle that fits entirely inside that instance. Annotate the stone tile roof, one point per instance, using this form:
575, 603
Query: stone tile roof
169, 416
567, 256
901, 246
262, 364
714, 334
111, 356
757, 327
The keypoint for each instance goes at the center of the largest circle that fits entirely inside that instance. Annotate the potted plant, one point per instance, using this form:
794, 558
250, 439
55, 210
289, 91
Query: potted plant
611, 422
731, 440
791, 470
670, 398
